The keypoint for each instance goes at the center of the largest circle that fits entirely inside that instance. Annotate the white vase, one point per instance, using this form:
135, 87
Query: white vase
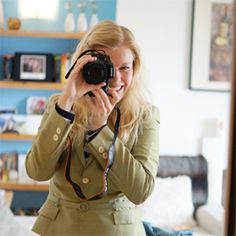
82, 23
69, 23
1, 15
93, 20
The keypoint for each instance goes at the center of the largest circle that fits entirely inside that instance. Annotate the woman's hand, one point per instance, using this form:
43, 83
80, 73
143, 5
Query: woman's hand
100, 107
76, 86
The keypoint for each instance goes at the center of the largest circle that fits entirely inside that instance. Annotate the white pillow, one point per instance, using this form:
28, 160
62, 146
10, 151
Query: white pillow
211, 218
170, 204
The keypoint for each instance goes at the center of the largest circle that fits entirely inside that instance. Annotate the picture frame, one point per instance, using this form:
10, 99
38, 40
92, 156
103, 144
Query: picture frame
33, 67
211, 45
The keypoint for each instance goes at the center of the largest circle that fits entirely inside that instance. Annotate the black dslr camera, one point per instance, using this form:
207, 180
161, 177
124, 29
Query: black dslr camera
98, 71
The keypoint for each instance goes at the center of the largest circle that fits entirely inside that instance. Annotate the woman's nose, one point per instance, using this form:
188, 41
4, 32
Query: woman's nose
117, 75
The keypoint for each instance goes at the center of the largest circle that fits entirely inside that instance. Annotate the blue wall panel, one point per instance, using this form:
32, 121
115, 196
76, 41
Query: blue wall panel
106, 9
17, 97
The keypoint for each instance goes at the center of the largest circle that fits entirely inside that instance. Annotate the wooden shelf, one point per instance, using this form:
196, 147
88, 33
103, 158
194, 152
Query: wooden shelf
41, 34
14, 136
23, 186
30, 85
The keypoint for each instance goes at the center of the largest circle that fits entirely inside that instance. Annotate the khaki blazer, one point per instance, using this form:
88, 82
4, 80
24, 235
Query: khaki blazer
130, 179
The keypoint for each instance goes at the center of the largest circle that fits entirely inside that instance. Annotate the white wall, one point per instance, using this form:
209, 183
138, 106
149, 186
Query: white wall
162, 28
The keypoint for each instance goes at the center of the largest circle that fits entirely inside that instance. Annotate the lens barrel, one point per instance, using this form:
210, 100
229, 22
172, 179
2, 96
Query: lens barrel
95, 72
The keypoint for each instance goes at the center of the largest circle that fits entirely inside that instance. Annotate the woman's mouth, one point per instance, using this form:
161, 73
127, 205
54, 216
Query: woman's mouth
116, 88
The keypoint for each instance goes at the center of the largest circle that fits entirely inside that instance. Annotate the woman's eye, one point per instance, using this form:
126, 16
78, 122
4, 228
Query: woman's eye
124, 68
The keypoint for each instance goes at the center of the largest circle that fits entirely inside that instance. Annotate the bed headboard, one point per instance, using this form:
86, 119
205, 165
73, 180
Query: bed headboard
193, 166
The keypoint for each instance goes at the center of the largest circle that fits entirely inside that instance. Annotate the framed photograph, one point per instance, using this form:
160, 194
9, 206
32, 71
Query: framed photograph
36, 105
33, 67
211, 45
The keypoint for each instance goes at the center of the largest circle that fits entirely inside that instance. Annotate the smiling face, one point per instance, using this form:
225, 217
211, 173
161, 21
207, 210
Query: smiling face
122, 59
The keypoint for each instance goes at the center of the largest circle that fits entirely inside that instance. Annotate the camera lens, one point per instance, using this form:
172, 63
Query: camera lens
95, 72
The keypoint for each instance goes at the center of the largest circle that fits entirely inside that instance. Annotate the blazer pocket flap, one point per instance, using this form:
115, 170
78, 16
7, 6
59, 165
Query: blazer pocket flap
48, 210
126, 216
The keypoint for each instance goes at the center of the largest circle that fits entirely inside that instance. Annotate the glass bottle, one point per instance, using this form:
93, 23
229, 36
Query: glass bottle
82, 23
69, 21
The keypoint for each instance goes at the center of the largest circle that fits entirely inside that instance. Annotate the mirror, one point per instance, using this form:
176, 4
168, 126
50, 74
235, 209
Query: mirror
192, 121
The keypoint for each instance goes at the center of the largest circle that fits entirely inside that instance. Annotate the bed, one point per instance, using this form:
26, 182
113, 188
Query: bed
180, 197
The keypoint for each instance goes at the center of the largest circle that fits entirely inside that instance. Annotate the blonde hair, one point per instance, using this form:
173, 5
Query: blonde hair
133, 106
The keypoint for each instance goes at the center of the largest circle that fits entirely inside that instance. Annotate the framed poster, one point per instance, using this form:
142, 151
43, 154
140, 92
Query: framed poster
211, 45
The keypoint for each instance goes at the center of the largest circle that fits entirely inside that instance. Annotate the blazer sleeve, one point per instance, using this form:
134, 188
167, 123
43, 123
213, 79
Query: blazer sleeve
42, 158
133, 171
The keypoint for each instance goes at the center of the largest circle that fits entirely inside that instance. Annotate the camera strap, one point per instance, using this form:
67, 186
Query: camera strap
111, 156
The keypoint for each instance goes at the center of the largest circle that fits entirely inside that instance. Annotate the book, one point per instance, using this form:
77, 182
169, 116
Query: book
8, 166
7, 110
8, 61
65, 65
22, 173
57, 68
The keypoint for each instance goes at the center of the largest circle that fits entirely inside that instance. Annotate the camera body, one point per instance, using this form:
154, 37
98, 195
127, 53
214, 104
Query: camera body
98, 71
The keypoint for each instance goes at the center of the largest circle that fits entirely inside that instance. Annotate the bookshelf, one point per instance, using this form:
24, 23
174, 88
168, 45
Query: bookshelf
24, 186
30, 85
15, 136
18, 86
41, 34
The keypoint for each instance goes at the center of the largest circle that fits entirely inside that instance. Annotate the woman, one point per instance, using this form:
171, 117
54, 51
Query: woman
96, 179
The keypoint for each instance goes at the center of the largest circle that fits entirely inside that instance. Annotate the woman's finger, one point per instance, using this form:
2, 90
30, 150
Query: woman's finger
99, 99
113, 96
97, 86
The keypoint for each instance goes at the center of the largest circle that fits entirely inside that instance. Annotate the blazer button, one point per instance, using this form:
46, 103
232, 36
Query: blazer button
55, 137
58, 130
83, 206
104, 155
101, 149
85, 180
